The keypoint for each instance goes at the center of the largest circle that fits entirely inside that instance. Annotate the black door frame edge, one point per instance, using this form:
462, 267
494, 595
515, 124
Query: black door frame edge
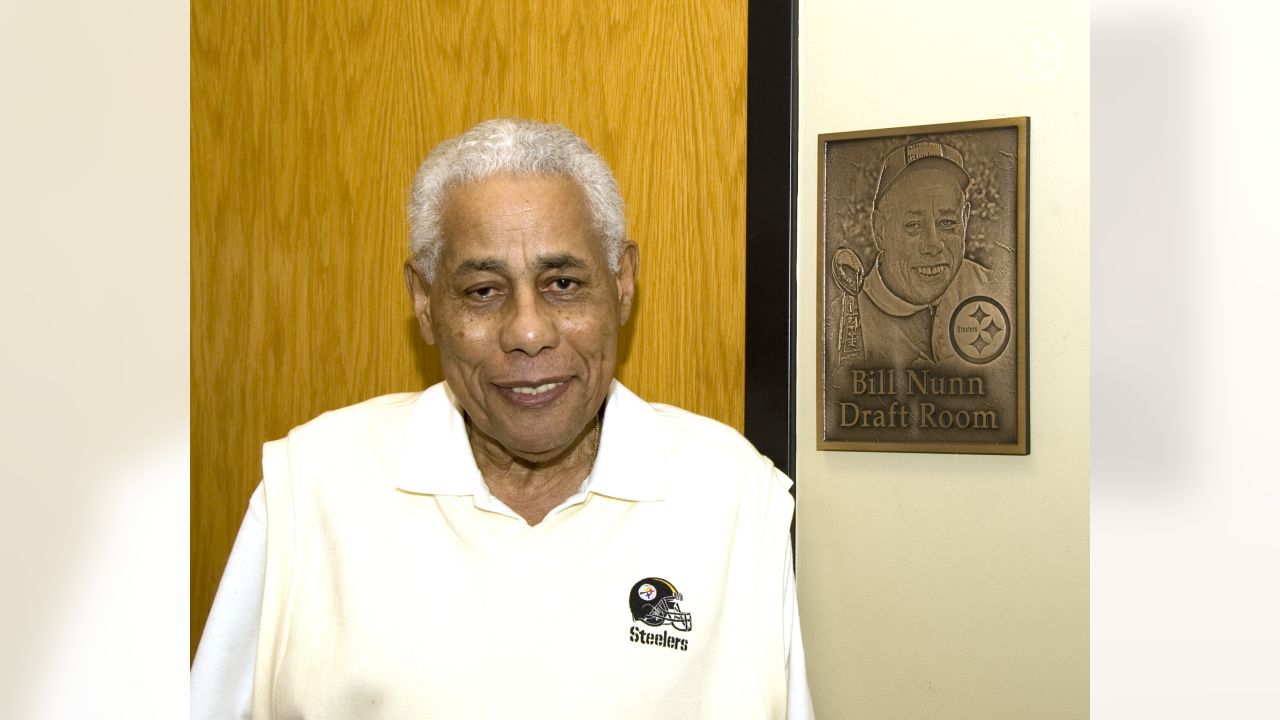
769, 417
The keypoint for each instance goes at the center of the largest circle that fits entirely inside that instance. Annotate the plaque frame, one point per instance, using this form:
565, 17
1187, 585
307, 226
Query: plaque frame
1014, 434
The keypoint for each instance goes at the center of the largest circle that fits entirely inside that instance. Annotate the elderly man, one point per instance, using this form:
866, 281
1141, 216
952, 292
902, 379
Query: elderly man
527, 538
919, 220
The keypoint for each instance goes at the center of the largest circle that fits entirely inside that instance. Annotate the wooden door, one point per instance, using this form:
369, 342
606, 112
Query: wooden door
308, 121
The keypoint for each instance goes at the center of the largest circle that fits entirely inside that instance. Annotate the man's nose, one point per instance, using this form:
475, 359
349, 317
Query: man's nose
930, 243
529, 325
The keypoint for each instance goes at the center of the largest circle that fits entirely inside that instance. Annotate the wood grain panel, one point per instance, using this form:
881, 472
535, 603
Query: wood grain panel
308, 121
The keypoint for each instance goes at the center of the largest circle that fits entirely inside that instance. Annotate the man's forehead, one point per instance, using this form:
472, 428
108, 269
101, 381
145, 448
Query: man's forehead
510, 193
517, 221
926, 185
498, 264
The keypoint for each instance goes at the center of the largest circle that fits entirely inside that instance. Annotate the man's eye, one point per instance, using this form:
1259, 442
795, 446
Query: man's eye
482, 293
914, 226
946, 224
563, 284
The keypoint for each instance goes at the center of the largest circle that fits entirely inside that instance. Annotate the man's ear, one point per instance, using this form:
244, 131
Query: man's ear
628, 268
420, 295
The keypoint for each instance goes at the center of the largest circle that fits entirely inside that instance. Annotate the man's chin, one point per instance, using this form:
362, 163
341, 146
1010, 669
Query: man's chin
537, 449
928, 293
537, 454
921, 296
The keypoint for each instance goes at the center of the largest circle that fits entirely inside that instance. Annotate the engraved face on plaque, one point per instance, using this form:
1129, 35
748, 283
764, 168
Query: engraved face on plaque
922, 256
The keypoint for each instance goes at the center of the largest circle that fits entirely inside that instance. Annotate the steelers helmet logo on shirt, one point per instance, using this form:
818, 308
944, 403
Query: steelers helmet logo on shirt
656, 602
647, 592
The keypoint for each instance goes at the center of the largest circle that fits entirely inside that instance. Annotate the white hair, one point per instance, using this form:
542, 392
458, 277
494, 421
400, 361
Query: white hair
521, 147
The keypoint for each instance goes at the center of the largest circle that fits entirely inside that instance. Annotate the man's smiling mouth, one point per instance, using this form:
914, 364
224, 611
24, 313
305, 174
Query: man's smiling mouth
536, 389
931, 270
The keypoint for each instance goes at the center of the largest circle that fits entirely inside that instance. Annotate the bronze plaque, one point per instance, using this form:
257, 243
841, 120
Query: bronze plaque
923, 289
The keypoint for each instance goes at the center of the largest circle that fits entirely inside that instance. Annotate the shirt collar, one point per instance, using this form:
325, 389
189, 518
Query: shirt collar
627, 465
884, 298
437, 457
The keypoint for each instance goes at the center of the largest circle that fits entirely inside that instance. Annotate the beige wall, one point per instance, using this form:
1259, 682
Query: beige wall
940, 586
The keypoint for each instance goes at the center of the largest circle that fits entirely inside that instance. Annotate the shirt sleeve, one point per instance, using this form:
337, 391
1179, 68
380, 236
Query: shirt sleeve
799, 702
222, 673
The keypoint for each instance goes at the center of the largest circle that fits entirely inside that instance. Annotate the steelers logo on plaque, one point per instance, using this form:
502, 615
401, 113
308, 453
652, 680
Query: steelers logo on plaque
979, 329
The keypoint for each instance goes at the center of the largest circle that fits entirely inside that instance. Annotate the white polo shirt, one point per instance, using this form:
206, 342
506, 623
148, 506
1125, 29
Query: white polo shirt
437, 486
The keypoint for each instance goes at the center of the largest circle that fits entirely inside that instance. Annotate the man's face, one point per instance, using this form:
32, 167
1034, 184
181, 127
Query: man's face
920, 225
525, 311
